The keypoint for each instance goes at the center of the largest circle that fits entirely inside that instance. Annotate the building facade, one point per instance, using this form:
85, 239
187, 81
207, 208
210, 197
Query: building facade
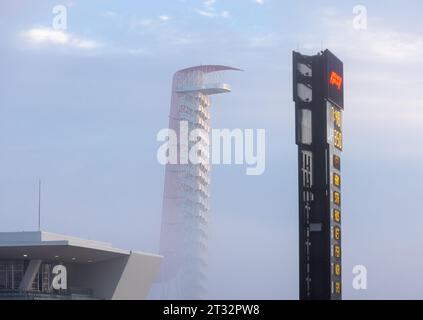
40, 265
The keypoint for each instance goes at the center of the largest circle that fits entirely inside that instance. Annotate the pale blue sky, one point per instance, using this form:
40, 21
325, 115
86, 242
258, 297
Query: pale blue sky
82, 112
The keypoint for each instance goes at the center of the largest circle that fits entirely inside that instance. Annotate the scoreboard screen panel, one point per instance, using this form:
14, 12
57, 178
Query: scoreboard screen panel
337, 216
335, 126
337, 162
337, 180
334, 79
337, 269
335, 142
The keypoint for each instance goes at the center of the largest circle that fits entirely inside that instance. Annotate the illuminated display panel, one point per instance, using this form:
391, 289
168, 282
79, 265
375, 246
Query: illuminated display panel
337, 137
337, 180
337, 287
337, 162
335, 141
334, 126
335, 79
337, 198
334, 106
336, 115
337, 269
337, 233
337, 118
337, 215
337, 251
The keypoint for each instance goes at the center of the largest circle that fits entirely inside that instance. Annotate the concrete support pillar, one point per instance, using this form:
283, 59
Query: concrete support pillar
30, 274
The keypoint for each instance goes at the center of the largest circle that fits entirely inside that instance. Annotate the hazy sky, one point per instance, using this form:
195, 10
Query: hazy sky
81, 110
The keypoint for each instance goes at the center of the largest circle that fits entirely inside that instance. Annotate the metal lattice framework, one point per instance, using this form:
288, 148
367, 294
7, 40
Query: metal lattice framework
186, 202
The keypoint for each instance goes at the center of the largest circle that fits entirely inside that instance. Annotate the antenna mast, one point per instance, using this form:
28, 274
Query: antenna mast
39, 205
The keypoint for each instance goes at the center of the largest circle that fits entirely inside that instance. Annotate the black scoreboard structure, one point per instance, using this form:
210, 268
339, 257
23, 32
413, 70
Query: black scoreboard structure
319, 104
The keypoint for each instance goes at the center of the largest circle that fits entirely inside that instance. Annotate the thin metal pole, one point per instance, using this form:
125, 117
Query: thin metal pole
39, 205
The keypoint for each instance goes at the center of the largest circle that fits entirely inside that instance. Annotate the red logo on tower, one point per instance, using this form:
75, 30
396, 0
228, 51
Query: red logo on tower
335, 80
334, 90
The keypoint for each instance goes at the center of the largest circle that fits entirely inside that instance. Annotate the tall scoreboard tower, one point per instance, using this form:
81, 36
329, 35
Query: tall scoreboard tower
319, 103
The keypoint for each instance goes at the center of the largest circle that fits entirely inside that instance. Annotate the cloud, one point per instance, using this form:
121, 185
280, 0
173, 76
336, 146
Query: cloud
396, 46
58, 38
156, 31
210, 11
206, 13
265, 41
209, 4
164, 18
109, 14
50, 36
137, 23
138, 51
380, 42
225, 14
